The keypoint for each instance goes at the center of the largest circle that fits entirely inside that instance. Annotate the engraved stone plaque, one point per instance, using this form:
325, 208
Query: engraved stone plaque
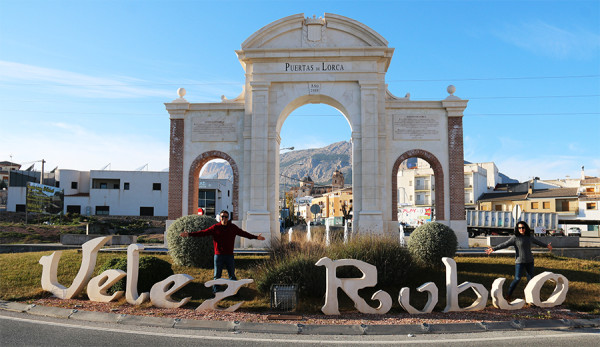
314, 88
416, 127
213, 128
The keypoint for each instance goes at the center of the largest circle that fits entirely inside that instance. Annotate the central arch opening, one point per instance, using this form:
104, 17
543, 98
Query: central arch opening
318, 171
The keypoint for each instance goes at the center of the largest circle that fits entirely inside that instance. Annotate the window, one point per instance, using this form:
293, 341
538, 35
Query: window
20, 208
74, 208
146, 211
73, 185
589, 189
535, 205
126, 186
590, 206
105, 183
207, 201
410, 183
102, 210
155, 186
546, 205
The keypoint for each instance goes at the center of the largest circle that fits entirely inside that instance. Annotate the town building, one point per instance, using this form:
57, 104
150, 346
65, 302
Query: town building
416, 189
116, 193
335, 206
575, 201
5, 168
214, 196
589, 201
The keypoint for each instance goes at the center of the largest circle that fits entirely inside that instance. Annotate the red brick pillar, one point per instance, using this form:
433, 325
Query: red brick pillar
176, 169
456, 168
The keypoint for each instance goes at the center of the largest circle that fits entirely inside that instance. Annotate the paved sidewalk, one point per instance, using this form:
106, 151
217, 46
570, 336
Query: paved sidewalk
297, 328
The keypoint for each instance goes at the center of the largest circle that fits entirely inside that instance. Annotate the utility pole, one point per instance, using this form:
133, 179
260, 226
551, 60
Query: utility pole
42, 175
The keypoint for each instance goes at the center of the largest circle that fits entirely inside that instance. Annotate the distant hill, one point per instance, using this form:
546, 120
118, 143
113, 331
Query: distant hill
318, 163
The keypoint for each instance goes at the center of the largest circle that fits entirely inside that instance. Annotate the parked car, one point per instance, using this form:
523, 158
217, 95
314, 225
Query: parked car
574, 231
557, 232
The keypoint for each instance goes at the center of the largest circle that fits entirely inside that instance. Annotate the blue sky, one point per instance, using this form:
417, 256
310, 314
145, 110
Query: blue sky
82, 83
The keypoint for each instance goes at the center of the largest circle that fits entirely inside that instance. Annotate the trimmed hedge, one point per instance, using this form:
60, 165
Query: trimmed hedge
430, 242
191, 251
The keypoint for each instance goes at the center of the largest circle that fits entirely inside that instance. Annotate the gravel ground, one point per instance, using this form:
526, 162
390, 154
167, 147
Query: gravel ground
489, 314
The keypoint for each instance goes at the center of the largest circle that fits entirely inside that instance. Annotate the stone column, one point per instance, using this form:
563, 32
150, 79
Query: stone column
371, 215
454, 107
258, 216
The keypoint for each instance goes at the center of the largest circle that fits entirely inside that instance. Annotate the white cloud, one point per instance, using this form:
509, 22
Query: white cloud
543, 38
70, 83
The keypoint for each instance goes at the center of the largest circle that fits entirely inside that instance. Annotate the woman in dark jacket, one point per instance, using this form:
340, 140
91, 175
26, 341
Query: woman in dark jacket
521, 241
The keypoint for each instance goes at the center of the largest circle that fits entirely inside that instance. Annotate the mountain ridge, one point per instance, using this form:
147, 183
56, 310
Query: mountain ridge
317, 163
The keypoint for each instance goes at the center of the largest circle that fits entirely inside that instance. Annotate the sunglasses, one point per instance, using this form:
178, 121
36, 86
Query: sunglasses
223, 216
522, 228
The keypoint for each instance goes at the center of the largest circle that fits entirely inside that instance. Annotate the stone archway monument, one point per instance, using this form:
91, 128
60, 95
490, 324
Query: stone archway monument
332, 60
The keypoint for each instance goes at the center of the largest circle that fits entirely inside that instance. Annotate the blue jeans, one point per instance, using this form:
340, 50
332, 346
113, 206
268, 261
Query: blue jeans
224, 261
520, 269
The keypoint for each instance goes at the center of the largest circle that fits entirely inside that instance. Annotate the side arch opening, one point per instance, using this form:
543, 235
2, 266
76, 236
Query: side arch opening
194, 180
438, 173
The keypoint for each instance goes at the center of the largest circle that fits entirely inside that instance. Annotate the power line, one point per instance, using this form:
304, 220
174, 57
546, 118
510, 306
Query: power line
496, 78
536, 114
241, 83
418, 99
304, 115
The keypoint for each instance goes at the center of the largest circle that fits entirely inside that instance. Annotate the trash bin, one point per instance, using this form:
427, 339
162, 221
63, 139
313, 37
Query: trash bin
284, 297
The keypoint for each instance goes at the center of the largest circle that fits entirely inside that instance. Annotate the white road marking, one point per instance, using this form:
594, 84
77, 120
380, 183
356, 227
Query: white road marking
288, 340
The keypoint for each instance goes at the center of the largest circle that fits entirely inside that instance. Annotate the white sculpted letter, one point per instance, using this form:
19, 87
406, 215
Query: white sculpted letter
351, 286
133, 266
498, 298
161, 296
89, 253
232, 289
98, 286
452, 290
532, 290
432, 298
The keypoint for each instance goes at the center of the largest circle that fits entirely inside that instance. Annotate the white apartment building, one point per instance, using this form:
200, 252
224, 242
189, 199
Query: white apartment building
105, 192
214, 196
416, 187
120, 193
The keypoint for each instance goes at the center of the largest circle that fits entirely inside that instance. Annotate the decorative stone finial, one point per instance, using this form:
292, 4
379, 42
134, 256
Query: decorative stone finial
451, 89
181, 92
314, 20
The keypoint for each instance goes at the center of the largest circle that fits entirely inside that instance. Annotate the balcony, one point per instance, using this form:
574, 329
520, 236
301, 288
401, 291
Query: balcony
426, 187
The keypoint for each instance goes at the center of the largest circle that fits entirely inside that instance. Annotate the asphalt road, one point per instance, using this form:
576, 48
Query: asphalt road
20, 329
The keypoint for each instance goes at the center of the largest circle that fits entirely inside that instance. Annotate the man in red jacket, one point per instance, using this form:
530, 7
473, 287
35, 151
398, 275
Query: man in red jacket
223, 234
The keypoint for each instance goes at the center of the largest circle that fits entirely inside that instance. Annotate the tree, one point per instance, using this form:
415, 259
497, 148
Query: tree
289, 201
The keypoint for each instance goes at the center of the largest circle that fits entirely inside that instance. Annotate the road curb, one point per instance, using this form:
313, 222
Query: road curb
297, 328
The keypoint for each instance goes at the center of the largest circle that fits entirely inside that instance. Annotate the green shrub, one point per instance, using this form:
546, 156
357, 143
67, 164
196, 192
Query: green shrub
151, 270
191, 251
393, 262
294, 263
430, 242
